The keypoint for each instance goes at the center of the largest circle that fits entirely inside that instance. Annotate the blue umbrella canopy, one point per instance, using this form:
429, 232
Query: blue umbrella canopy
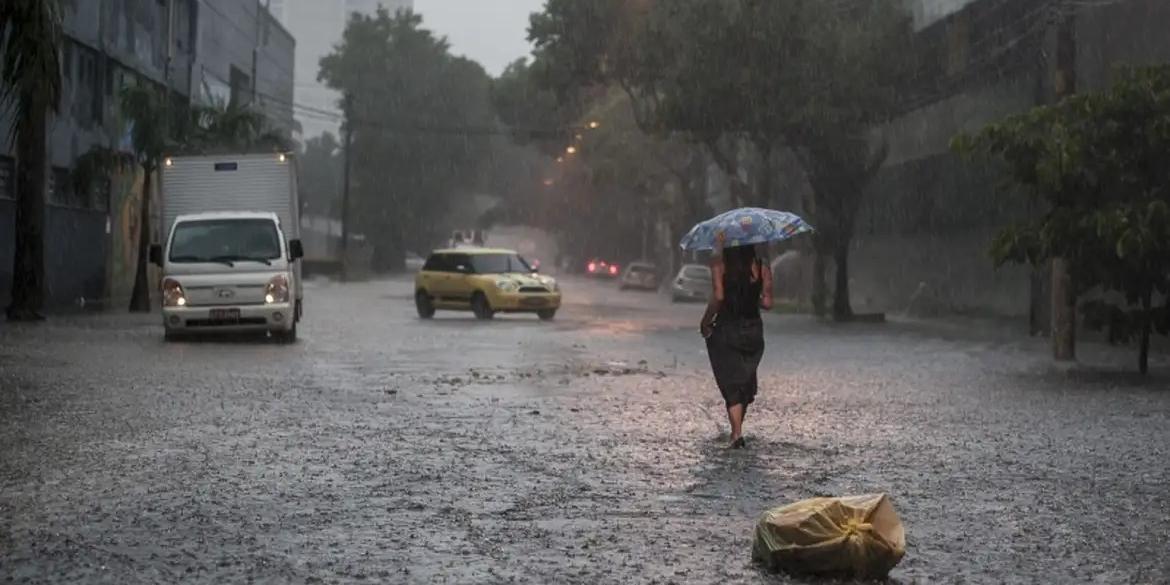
745, 226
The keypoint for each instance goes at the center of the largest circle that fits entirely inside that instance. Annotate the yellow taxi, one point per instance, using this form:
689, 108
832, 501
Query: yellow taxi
484, 281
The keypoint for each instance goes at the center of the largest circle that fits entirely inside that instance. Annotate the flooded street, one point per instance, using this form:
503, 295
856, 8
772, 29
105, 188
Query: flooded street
382, 448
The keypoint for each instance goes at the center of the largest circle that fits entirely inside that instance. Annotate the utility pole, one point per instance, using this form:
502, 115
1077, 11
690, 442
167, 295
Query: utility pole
348, 105
1064, 318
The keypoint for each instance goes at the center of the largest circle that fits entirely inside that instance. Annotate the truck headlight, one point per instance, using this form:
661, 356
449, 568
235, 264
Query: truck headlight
506, 285
277, 290
173, 295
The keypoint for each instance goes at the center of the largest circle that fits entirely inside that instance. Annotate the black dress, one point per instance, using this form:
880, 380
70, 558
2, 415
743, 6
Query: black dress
737, 343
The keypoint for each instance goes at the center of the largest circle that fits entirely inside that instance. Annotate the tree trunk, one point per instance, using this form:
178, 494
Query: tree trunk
1147, 327
1063, 313
140, 296
842, 310
819, 286
28, 263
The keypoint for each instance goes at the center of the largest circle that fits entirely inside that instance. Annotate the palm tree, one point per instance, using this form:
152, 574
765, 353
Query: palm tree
30, 85
146, 111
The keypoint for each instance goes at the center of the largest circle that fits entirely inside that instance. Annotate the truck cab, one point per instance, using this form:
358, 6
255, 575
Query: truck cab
229, 272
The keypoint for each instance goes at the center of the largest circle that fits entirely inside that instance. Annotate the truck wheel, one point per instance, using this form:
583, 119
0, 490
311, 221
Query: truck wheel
422, 302
481, 307
547, 314
289, 336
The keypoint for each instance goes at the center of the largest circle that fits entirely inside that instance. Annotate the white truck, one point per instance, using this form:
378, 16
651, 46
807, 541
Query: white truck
231, 258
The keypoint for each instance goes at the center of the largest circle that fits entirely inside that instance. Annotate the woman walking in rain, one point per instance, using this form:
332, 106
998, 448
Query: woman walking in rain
742, 285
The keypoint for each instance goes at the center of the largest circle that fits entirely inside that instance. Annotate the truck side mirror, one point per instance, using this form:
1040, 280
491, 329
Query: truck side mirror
156, 256
295, 249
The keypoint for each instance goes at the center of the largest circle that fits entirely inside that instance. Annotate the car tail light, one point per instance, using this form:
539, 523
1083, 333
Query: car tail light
173, 295
613, 269
592, 267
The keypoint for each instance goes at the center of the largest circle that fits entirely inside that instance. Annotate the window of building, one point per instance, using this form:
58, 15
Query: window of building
241, 84
7, 177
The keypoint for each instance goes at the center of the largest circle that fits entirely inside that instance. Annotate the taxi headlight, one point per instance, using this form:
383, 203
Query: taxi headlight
277, 290
550, 283
506, 285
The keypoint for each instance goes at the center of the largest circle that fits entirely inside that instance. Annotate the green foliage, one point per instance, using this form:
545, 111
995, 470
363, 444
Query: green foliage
320, 180
533, 112
30, 42
421, 125
1101, 164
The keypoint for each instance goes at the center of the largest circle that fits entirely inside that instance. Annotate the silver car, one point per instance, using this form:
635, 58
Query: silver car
693, 283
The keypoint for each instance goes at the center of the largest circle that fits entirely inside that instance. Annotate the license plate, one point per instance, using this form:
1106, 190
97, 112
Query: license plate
225, 314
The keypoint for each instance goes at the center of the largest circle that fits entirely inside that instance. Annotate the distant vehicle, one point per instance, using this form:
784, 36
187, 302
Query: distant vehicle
414, 262
693, 283
641, 276
231, 258
484, 281
601, 268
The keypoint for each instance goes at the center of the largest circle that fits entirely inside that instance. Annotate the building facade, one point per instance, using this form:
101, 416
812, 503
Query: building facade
204, 51
318, 26
929, 217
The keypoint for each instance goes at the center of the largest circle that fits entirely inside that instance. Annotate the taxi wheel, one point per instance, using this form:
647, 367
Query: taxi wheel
481, 307
422, 302
547, 314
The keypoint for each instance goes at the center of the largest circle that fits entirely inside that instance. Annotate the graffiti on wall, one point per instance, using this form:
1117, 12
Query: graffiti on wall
125, 224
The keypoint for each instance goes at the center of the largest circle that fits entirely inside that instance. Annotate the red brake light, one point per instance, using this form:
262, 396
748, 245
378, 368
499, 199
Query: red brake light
613, 269
592, 267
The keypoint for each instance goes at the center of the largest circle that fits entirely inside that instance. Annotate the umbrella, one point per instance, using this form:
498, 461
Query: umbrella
744, 227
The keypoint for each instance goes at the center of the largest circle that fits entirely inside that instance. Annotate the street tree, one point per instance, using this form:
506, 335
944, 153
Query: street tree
1101, 164
321, 175
30, 85
421, 121
747, 79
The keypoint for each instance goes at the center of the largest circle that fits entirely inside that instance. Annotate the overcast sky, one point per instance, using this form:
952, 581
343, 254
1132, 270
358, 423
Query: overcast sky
493, 32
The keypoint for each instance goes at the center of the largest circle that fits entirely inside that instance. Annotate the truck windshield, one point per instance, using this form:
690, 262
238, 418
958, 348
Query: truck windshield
498, 263
226, 241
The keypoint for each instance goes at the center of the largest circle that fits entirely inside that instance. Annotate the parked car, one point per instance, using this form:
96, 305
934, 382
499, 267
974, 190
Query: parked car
485, 282
414, 262
602, 268
641, 276
693, 283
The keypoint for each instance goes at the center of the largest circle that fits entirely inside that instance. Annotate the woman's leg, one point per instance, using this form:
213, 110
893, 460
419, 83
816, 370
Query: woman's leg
735, 414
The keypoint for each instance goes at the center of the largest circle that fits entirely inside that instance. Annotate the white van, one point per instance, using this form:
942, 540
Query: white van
230, 262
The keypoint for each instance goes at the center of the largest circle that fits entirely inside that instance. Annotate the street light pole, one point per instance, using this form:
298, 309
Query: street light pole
348, 104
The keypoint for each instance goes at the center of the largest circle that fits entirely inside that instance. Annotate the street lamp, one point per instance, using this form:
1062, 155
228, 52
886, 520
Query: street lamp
593, 125
571, 150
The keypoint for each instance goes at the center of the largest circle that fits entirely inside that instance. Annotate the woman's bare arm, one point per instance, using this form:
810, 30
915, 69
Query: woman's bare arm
716, 301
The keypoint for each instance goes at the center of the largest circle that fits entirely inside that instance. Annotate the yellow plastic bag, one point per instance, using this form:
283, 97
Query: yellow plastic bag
857, 537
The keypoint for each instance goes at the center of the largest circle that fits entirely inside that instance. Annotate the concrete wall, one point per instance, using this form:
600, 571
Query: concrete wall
75, 255
7, 243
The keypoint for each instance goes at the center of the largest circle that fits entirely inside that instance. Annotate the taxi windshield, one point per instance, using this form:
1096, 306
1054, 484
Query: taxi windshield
499, 263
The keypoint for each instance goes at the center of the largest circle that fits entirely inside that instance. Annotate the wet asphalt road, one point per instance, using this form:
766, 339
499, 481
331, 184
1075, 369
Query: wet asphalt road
384, 449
